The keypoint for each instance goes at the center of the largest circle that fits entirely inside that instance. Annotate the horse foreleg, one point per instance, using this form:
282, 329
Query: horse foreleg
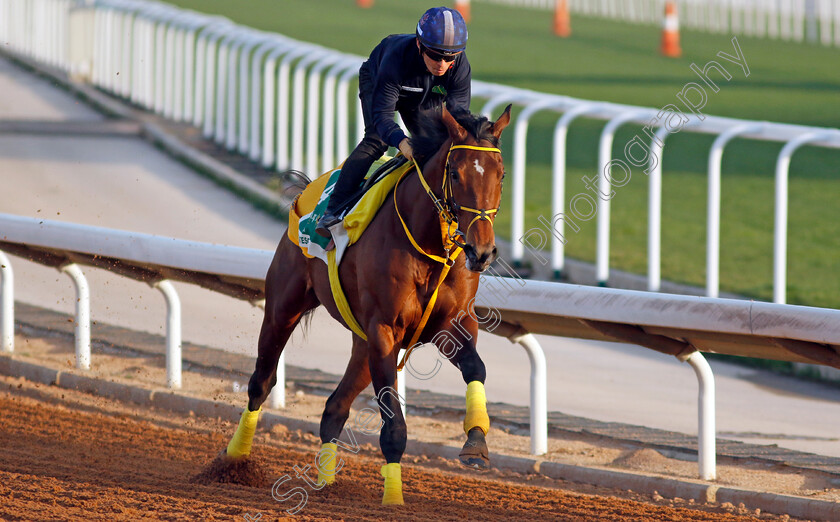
476, 420
392, 439
337, 409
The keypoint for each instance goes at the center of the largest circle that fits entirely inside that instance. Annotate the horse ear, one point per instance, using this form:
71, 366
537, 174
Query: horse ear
502, 122
456, 131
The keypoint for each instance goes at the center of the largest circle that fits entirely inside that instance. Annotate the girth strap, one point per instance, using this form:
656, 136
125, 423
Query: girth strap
340, 298
344, 306
447, 223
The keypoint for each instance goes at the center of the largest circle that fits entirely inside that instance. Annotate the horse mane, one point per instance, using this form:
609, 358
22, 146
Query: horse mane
432, 132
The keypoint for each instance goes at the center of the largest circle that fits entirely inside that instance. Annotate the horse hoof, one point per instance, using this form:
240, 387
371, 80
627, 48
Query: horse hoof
474, 454
223, 455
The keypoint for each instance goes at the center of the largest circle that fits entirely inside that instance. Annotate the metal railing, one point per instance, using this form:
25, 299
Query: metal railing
288, 104
795, 20
68, 246
672, 324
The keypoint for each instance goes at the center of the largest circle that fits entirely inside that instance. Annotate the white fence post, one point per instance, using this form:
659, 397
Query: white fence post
713, 206
205, 47
343, 113
329, 144
558, 183
657, 147
517, 220
313, 102
173, 333
299, 103
539, 390
82, 315
282, 111
249, 92
605, 189
277, 396
401, 378
781, 213
519, 156
7, 304
270, 116
223, 86
706, 432
258, 81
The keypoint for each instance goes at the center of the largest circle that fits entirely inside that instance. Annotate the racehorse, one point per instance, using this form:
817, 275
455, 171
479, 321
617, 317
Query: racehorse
408, 257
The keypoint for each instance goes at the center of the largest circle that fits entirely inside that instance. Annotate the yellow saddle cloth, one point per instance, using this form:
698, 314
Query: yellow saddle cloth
311, 204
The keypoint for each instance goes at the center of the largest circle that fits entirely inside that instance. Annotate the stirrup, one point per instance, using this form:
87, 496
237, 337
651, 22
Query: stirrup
327, 220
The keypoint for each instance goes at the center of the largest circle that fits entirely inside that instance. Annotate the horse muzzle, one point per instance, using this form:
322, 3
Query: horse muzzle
479, 259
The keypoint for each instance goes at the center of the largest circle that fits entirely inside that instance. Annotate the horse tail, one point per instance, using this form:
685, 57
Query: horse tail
292, 183
306, 321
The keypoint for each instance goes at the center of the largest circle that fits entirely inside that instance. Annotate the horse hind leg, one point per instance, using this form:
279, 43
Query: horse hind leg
337, 410
288, 298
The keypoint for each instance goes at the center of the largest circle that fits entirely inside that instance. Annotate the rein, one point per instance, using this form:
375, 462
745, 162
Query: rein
450, 238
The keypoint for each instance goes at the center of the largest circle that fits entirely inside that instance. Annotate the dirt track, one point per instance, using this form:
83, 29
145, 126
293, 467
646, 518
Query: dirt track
69, 456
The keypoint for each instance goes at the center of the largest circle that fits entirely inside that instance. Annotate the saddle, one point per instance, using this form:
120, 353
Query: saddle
357, 212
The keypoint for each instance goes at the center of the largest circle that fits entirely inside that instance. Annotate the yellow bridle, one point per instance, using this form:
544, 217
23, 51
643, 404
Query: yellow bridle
444, 208
481, 213
447, 221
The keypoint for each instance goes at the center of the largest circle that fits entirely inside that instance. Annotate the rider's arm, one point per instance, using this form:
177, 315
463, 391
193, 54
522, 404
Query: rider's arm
386, 93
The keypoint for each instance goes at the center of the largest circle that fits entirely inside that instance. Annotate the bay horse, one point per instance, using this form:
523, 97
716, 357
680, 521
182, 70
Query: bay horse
389, 277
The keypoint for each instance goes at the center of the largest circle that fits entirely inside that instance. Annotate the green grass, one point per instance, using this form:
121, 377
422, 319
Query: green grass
603, 60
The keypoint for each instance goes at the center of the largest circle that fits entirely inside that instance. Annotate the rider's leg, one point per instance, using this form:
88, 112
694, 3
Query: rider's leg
370, 149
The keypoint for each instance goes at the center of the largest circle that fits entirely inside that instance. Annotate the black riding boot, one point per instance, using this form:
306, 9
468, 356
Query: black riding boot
352, 174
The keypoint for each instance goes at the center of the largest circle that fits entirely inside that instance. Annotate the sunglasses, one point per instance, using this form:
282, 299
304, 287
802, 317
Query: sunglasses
436, 56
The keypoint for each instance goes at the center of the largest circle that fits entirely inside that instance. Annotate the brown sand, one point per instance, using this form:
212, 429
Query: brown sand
72, 456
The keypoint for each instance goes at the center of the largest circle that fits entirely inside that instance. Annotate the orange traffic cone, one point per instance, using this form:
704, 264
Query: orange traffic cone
463, 7
365, 4
671, 31
562, 23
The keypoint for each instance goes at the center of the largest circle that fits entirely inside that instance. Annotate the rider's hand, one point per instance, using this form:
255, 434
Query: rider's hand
406, 149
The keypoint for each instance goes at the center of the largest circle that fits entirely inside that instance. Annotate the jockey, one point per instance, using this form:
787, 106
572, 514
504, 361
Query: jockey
412, 74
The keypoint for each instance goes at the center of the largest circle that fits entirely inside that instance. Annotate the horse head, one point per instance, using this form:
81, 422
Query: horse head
473, 184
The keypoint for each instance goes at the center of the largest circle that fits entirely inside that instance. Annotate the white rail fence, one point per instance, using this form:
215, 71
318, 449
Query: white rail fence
792, 20
237, 272
287, 104
516, 309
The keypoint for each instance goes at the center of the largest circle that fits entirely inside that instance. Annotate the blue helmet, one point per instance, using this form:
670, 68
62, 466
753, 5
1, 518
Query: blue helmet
443, 30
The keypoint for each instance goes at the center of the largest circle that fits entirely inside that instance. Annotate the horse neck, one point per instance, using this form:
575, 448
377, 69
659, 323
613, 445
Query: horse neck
417, 208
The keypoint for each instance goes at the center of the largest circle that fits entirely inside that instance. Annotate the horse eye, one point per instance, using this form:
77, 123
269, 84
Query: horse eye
454, 174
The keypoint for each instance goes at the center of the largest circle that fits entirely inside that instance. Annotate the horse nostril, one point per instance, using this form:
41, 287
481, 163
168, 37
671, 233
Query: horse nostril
469, 251
480, 258
486, 257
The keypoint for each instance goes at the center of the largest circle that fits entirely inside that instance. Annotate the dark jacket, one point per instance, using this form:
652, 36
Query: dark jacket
401, 82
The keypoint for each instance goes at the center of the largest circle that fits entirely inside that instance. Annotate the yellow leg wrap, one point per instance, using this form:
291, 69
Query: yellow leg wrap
393, 484
326, 463
240, 444
476, 416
